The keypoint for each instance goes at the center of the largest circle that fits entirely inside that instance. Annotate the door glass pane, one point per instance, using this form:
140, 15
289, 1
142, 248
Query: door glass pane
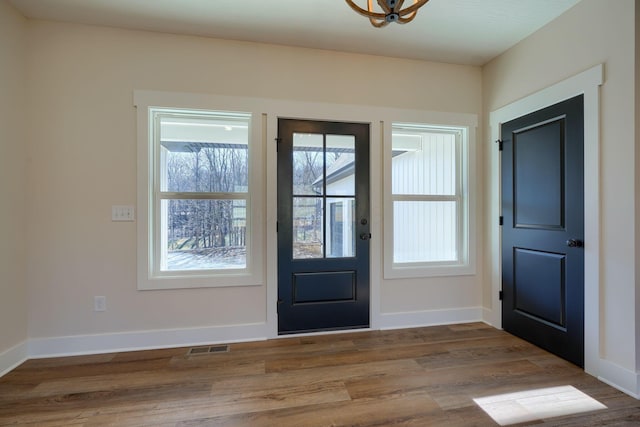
308, 163
341, 230
308, 235
341, 165
424, 231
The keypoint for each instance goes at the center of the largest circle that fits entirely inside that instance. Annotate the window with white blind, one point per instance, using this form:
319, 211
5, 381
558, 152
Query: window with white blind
427, 202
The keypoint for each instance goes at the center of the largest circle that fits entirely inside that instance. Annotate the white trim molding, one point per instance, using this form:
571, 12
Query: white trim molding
144, 340
417, 319
13, 357
618, 377
588, 84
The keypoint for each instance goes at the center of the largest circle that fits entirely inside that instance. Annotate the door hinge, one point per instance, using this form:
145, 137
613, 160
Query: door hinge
501, 220
277, 140
500, 295
277, 226
500, 144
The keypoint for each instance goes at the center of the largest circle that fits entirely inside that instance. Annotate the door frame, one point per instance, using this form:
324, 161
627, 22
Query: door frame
335, 314
332, 113
586, 83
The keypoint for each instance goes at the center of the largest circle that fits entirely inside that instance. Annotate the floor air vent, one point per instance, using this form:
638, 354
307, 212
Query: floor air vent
208, 350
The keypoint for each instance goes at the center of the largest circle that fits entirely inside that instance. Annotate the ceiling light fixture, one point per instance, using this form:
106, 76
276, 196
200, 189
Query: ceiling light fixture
391, 11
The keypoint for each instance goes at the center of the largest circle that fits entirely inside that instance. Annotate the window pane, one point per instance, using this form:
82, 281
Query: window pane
204, 154
308, 163
424, 231
308, 235
423, 163
203, 234
341, 165
341, 230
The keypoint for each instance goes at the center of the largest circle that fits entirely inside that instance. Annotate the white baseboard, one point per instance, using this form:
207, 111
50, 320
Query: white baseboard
13, 357
430, 318
143, 340
618, 377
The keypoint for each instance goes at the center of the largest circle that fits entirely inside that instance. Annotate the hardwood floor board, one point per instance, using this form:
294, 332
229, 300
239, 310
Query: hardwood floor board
76, 403
239, 355
608, 396
164, 353
276, 396
628, 416
340, 336
447, 333
469, 416
155, 378
317, 375
458, 327
500, 339
456, 397
271, 398
408, 411
395, 337
56, 362
354, 357
322, 348
432, 382
10, 391
457, 387
58, 423
389, 385
494, 349
222, 365
35, 375
289, 342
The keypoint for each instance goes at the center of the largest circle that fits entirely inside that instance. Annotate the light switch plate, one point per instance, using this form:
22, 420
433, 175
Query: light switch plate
122, 213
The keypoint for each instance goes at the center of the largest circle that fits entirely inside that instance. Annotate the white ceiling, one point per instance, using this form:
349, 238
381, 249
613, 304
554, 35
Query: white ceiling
454, 31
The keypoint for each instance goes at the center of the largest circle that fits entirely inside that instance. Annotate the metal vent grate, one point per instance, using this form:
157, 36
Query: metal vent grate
194, 351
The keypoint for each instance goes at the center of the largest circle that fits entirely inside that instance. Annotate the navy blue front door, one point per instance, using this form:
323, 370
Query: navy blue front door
543, 230
323, 226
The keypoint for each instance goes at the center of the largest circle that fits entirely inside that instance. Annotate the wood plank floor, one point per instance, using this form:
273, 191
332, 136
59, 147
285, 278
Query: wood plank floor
410, 377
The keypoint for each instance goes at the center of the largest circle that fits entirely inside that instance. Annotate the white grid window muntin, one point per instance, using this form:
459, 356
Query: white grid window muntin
193, 140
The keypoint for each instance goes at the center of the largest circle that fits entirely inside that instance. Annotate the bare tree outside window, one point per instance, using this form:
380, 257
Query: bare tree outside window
203, 191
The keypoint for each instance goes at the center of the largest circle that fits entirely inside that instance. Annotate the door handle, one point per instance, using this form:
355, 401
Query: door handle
365, 236
575, 243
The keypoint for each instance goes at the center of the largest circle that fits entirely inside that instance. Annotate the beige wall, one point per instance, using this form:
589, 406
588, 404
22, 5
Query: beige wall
13, 304
593, 32
83, 160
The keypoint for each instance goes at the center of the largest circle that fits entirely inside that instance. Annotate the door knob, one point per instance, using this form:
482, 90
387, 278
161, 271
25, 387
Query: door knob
575, 243
365, 236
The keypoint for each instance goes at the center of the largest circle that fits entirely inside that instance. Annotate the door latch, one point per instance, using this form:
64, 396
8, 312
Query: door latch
575, 243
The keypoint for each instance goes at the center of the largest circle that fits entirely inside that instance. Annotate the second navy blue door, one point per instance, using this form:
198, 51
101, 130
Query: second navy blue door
543, 231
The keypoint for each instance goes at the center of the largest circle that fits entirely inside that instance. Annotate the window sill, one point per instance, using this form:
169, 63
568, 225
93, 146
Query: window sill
197, 281
397, 271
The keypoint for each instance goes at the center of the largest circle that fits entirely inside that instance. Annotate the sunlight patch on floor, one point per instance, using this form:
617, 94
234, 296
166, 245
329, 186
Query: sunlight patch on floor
531, 405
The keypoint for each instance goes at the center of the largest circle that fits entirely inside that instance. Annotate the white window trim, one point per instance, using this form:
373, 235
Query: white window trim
149, 278
467, 224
